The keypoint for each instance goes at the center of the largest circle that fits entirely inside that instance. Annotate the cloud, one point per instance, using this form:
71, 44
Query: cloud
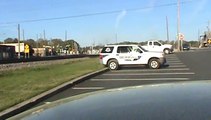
119, 18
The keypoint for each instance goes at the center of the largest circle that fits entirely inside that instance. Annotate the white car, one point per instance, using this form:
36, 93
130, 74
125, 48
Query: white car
114, 56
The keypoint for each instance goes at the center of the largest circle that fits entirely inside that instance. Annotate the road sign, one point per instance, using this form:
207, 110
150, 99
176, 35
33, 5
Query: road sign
181, 36
209, 41
26, 50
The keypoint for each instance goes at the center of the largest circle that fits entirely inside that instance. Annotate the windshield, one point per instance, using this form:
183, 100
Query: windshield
143, 49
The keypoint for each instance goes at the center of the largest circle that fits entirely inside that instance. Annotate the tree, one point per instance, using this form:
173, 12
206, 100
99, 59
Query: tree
9, 40
72, 45
15, 40
42, 43
31, 42
57, 42
194, 43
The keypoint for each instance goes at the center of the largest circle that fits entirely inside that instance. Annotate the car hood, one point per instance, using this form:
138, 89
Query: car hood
179, 101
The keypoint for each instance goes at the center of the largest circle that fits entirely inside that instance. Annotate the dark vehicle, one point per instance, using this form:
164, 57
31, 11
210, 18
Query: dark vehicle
186, 47
172, 101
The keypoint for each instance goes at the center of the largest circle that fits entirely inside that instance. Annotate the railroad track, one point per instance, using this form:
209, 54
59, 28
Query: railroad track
14, 64
32, 59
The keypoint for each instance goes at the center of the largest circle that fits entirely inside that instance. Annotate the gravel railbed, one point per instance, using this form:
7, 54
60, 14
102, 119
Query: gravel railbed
15, 66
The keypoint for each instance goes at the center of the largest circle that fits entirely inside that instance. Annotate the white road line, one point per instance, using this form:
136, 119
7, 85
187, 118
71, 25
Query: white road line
152, 79
129, 74
172, 58
176, 66
178, 63
173, 61
88, 88
151, 70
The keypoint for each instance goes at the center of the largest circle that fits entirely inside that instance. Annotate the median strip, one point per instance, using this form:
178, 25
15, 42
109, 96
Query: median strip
37, 80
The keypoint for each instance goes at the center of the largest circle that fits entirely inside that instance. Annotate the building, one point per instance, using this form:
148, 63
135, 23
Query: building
16, 47
7, 52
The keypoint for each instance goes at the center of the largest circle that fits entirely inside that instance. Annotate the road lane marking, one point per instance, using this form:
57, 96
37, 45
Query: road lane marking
151, 70
176, 66
143, 79
88, 88
129, 74
177, 63
173, 58
173, 61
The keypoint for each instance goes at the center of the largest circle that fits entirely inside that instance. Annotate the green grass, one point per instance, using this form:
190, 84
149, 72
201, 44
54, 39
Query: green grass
19, 85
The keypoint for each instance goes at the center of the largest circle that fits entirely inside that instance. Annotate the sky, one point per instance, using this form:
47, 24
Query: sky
100, 22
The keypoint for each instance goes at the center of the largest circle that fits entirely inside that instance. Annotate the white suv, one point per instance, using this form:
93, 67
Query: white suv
114, 56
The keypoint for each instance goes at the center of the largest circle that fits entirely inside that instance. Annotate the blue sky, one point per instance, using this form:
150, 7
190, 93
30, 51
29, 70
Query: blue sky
146, 23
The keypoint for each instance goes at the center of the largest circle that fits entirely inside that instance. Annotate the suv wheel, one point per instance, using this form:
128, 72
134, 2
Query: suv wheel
113, 65
166, 51
154, 64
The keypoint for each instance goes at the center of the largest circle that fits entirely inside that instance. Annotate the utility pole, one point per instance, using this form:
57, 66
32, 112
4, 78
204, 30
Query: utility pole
23, 35
37, 46
116, 38
178, 25
65, 35
199, 37
208, 27
44, 35
19, 55
167, 29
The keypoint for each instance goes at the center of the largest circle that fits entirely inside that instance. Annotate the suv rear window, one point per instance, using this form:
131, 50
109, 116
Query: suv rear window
107, 50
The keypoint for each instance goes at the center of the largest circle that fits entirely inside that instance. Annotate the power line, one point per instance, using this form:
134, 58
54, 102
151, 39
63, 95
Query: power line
94, 14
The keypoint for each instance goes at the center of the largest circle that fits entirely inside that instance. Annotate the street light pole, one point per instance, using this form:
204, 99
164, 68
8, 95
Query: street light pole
167, 29
116, 38
178, 25
44, 35
23, 35
65, 37
208, 27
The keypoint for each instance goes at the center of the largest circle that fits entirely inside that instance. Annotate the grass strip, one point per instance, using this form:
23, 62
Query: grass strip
19, 85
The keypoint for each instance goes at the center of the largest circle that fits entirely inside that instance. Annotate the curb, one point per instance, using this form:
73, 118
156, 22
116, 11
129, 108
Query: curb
35, 100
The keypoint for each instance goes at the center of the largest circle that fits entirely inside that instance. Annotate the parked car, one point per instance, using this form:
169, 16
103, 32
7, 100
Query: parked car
114, 56
186, 47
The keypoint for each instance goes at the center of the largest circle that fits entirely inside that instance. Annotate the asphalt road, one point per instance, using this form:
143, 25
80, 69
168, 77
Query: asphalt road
183, 66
